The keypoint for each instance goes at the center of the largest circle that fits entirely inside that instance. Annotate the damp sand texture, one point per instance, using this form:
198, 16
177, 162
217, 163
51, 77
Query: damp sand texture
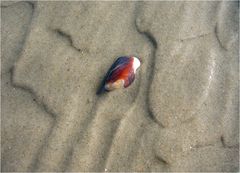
180, 114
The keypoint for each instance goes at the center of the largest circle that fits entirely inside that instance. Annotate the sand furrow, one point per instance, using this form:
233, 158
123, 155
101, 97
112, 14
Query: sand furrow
24, 123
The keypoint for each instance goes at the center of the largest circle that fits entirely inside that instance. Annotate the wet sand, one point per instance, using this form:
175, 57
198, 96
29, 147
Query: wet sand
180, 114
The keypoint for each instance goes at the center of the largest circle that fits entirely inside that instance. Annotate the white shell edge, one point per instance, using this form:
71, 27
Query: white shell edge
136, 63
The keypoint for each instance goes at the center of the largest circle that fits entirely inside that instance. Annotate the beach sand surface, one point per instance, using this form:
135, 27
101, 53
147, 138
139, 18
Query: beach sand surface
180, 114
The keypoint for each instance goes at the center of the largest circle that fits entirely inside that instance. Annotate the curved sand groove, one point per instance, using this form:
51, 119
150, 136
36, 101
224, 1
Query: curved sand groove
227, 16
175, 59
187, 84
142, 118
205, 78
151, 66
24, 123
